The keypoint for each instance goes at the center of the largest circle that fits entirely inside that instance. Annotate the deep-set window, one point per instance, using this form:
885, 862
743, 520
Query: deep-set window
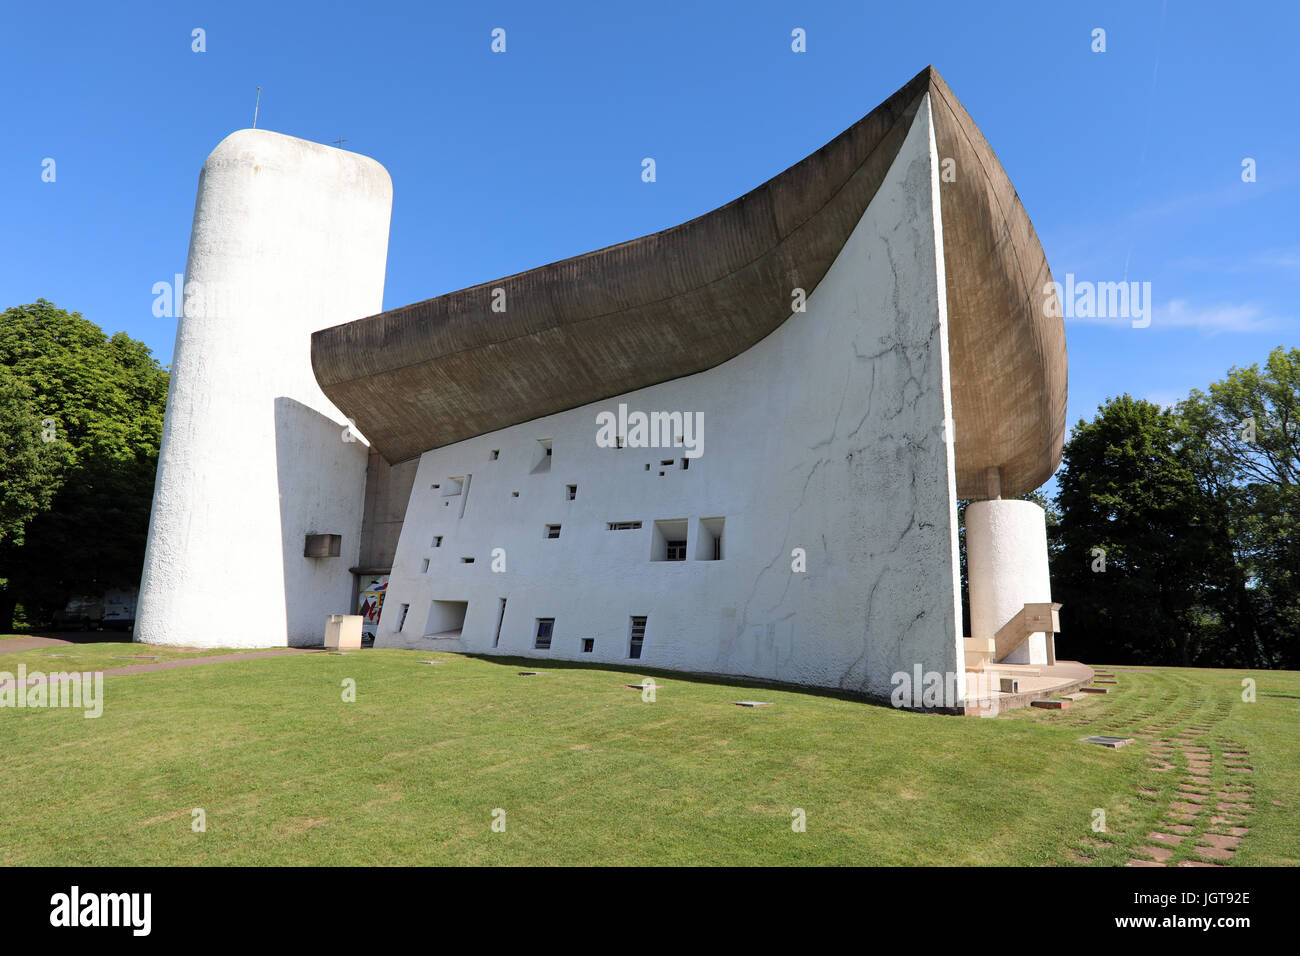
545, 628
636, 637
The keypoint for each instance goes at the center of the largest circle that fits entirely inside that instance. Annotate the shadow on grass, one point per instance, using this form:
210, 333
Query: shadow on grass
711, 680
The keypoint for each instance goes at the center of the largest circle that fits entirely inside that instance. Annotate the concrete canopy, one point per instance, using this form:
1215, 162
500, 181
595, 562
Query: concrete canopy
691, 297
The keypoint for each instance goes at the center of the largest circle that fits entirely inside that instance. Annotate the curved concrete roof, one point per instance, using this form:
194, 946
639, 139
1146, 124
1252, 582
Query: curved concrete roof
686, 299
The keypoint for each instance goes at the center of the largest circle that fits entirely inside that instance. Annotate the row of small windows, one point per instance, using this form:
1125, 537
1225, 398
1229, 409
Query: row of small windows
669, 542
542, 463
545, 633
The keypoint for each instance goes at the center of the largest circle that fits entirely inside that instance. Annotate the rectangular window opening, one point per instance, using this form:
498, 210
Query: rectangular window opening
588, 645
552, 531
636, 638
571, 492
669, 541
545, 629
624, 525
710, 539
501, 616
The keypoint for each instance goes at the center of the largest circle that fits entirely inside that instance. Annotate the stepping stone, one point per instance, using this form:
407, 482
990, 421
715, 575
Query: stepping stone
60, 655
1050, 704
1198, 863
1193, 797
1107, 682
1093, 690
1188, 808
1155, 852
753, 703
1181, 828
125, 657
1136, 862
1238, 831
1185, 817
1114, 743
1166, 838
1221, 842
1216, 821
1214, 853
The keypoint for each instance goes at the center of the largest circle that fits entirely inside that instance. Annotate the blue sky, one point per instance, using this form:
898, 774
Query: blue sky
1128, 161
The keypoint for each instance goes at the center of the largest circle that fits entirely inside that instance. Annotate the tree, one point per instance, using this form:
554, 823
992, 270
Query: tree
1140, 559
100, 400
31, 467
1247, 431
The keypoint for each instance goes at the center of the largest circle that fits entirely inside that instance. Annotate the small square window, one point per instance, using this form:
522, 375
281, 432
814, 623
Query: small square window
545, 628
552, 531
496, 453
570, 492
437, 541
588, 645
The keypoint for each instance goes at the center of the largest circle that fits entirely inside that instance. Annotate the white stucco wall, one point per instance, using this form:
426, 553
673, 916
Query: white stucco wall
288, 237
1006, 563
827, 436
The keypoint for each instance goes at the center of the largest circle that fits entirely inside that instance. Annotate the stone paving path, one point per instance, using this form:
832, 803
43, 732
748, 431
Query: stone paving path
1211, 818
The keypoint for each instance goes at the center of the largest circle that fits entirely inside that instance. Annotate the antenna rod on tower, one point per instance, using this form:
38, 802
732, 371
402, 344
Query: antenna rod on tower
256, 105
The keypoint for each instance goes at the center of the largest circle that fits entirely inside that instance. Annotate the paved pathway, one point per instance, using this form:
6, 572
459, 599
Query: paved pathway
162, 665
12, 644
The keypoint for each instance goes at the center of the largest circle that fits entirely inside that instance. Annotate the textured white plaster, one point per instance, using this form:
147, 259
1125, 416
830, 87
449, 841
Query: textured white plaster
1006, 562
288, 237
829, 435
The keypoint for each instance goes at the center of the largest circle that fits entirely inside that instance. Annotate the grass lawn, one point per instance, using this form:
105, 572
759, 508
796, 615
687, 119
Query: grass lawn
589, 773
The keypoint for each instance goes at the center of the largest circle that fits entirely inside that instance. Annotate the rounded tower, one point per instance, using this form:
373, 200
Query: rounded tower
289, 237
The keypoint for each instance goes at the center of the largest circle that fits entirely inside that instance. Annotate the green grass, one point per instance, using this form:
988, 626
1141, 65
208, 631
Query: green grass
588, 773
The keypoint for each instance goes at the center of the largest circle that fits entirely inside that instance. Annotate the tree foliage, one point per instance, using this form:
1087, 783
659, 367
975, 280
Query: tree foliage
76, 519
1177, 541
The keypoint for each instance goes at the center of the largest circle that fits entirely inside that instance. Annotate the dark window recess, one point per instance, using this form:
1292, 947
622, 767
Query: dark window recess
496, 453
552, 531
636, 638
437, 541
545, 628
588, 645
686, 463
676, 551
322, 546
624, 525
571, 492
466, 560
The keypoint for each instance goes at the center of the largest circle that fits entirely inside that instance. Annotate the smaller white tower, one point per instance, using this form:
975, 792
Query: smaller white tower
289, 237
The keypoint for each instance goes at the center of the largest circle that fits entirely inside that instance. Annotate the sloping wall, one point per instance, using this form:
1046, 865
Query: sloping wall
830, 436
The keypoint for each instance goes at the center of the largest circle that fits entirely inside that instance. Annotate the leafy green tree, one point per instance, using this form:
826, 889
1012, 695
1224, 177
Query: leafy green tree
100, 399
31, 467
1247, 432
1140, 556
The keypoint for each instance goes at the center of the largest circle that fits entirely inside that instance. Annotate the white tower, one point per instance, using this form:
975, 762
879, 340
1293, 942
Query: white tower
289, 237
